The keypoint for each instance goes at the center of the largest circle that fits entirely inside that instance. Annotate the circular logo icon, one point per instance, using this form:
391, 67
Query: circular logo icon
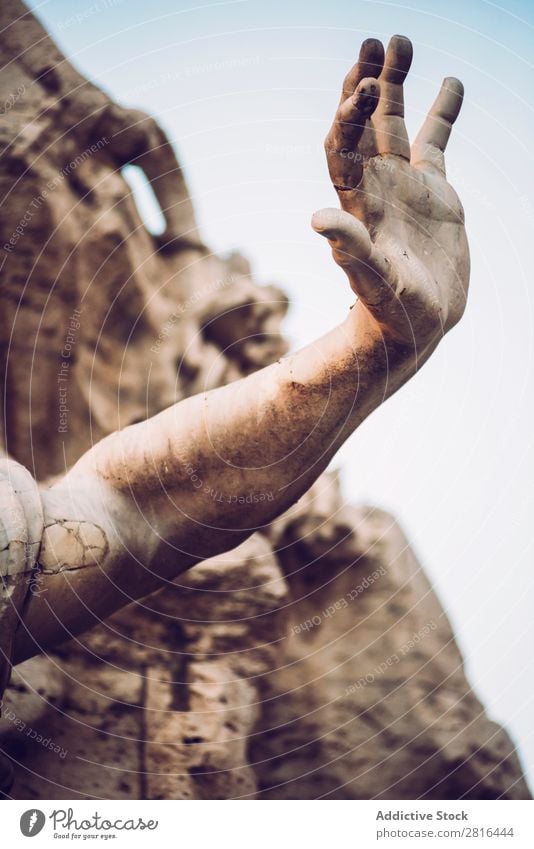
32, 822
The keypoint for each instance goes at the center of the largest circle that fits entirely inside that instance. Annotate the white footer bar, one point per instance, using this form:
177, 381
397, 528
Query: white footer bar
270, 825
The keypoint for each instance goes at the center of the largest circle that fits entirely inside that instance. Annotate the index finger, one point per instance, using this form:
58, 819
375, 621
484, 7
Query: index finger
369, 64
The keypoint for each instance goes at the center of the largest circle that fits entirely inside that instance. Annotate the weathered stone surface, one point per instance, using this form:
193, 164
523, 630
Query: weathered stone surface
96, 316
370, 698
178, 674
73, 730
200, 752
313, 661
342, 680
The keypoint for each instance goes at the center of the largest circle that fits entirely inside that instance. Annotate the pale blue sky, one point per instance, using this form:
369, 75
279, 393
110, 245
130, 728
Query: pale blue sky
246, 90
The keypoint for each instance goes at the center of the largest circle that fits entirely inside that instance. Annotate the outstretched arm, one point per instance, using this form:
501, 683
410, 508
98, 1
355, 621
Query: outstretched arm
155, 498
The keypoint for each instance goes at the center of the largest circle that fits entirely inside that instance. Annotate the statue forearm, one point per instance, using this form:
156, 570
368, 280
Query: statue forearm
150, 501
270, 434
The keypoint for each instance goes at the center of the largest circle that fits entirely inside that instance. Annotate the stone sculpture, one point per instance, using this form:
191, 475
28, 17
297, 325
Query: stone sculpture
304, 655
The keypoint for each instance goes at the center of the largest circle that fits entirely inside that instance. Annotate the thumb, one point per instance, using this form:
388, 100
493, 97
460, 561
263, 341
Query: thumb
370, 272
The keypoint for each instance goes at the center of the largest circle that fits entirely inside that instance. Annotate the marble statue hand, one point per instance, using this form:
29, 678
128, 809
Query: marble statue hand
400, 234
